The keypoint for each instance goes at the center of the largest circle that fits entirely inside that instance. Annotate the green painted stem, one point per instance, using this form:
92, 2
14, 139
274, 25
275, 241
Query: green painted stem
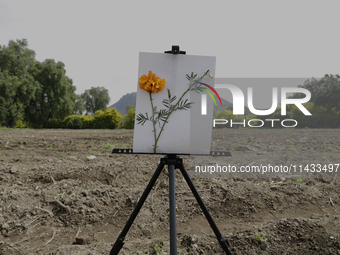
153, 122
166, 120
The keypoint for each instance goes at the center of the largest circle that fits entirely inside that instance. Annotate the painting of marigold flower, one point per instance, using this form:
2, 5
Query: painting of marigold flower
151, 83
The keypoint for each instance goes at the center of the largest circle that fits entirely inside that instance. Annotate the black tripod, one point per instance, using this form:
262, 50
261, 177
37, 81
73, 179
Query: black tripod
173, 162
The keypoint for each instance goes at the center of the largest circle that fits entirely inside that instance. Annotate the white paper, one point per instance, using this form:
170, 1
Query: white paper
188, 132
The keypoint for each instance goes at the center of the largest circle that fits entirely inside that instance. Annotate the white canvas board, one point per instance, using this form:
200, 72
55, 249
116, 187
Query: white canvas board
187, 132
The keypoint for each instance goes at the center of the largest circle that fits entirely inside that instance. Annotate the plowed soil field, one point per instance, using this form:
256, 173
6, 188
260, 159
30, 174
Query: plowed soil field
55, 199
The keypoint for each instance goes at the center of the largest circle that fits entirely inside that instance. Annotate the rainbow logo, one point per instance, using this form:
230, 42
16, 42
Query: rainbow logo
204, 97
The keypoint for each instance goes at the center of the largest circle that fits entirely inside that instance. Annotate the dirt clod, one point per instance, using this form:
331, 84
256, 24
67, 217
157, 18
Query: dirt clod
83, 239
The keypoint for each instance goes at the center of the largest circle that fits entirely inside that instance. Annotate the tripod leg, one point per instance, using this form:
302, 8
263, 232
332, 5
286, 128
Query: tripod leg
172, 201
120, 240
223, 241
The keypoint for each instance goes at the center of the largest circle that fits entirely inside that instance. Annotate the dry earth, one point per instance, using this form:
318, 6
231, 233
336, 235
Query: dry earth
54, 201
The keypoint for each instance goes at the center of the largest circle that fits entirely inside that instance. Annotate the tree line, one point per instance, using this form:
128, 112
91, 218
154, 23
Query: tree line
40, 94
324, 106
36, 93
108, 119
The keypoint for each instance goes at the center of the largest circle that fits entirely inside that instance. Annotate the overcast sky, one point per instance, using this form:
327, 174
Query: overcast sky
99, 41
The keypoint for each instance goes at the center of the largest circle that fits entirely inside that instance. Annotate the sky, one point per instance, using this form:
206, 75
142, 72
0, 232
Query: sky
99, 41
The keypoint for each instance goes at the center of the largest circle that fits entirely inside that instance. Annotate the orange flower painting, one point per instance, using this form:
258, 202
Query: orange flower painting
151, 83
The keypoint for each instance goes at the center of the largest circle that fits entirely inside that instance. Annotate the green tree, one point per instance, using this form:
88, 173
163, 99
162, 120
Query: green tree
17, 86
129, 119
109, 118
10, 110
224, 114
325, 92
321, 117
79, 106
55, 96
329, 92
95, 99
16, 58
324, 104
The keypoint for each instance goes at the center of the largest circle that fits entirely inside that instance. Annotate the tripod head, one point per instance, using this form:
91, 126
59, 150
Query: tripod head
175, 50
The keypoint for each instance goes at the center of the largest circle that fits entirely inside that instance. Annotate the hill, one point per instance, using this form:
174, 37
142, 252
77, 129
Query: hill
225, 105
127, 99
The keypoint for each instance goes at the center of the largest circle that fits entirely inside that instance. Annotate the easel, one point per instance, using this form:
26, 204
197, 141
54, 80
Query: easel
173, 162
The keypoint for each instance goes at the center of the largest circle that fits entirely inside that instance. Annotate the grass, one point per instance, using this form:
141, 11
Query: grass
146, 251
108, 146
290, 148
60, 195
50, 147
159, 250
69, 153
91, 185
123, 146
300, 180
261, 236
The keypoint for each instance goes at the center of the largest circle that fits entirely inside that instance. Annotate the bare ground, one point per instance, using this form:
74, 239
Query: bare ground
54, 201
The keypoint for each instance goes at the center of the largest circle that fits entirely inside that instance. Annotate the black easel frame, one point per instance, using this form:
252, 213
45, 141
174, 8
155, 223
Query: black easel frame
173, 162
